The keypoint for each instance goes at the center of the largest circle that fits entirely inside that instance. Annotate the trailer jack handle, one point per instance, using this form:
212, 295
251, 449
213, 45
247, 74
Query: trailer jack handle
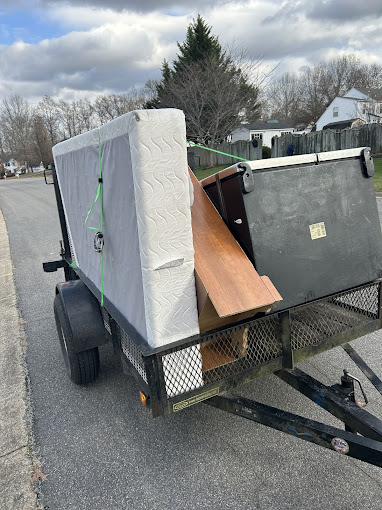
347, 381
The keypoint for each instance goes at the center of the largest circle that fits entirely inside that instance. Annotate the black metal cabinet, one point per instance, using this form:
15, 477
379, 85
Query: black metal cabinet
312, 228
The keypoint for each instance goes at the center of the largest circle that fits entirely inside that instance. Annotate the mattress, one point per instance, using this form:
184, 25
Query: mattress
148, 255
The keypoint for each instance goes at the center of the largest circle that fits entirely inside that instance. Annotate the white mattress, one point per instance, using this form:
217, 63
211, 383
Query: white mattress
148, 257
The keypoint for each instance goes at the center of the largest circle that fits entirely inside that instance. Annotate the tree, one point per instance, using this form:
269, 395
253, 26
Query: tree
284, 98
109, 107
314, 100
41, 142
199, 44
16, 126
216, 90
47, 111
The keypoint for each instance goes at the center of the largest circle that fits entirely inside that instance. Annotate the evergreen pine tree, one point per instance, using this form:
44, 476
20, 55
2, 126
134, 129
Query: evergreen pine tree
198, 45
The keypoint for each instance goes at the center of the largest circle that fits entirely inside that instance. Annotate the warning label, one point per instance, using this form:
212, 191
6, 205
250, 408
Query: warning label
194, 400
317, 230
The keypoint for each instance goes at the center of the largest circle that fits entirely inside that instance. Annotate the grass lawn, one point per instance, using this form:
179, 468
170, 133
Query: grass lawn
29, 175
378, 174
203, 172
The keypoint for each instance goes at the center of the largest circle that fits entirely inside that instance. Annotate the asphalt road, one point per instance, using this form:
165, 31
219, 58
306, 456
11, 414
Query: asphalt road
102, 450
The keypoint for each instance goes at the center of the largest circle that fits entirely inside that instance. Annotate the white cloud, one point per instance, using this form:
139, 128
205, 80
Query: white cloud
109, 50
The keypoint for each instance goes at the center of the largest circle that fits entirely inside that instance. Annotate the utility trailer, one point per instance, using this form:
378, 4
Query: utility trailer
204, 366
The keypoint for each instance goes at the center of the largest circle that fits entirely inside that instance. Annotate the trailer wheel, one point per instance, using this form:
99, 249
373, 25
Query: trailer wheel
81, 367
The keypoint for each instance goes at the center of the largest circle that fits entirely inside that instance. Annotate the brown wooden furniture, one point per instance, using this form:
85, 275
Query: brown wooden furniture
228, 286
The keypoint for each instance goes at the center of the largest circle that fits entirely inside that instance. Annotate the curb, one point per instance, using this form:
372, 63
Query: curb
17, 462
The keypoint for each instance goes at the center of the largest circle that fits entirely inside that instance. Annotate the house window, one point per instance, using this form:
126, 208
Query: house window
256, 136
335, 111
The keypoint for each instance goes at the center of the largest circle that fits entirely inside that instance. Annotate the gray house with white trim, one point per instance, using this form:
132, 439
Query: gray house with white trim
357, 103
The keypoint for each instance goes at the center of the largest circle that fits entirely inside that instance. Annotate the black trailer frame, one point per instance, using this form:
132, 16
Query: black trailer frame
268, 343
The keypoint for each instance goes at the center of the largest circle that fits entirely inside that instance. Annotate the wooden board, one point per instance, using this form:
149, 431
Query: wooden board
224, 350
208, 316
227, 275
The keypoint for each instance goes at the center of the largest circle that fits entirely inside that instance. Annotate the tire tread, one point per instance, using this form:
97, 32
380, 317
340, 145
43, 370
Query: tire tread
84, 365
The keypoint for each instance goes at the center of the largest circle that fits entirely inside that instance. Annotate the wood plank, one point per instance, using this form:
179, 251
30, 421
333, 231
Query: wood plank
209, 318
231, 281
272, 289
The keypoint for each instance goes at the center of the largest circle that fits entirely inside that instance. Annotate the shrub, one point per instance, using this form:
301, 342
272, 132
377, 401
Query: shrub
267, 153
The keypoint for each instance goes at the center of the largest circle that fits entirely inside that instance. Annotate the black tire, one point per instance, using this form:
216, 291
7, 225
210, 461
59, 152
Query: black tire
81, 367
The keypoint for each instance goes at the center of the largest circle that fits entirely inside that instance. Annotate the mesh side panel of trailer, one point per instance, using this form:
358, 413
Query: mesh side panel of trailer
182, 370
223, 354
254, 347
106, 320
132, 353
312, 324
70, 241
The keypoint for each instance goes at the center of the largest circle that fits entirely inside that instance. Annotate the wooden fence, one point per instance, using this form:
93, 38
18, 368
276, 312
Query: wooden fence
369, 135
242, 149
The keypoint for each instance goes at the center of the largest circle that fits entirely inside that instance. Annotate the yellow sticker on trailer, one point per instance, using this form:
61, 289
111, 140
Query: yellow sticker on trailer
195, 399
317, 230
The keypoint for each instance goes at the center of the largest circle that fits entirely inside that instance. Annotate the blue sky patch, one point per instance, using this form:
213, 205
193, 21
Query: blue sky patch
26, 25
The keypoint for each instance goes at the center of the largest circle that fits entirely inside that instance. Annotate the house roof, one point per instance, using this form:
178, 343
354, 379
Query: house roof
375, 94
263, 126
341, 124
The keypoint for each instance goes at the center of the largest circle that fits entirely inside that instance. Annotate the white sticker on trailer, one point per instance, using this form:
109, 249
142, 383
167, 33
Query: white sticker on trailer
317, 230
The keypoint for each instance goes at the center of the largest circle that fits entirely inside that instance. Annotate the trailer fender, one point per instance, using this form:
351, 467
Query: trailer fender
84, 315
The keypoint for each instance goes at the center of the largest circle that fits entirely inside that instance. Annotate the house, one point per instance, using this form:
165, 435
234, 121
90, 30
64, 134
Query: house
357, 103
264, 131
11, 166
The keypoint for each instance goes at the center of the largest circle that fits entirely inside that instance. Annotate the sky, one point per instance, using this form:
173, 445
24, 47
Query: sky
72, 49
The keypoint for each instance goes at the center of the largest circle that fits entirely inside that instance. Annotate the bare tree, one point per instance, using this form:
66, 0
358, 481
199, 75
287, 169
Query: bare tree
41, 142
314, 99
284, 97
16, 125
339, 75
367, 76
47, 111
85, 115
69, 122
109, 107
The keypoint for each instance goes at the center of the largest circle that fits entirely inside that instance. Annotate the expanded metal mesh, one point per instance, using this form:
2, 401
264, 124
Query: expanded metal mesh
222, 355
106, 320
230, 352
312, 324
70, 241
132, 353
182, 370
